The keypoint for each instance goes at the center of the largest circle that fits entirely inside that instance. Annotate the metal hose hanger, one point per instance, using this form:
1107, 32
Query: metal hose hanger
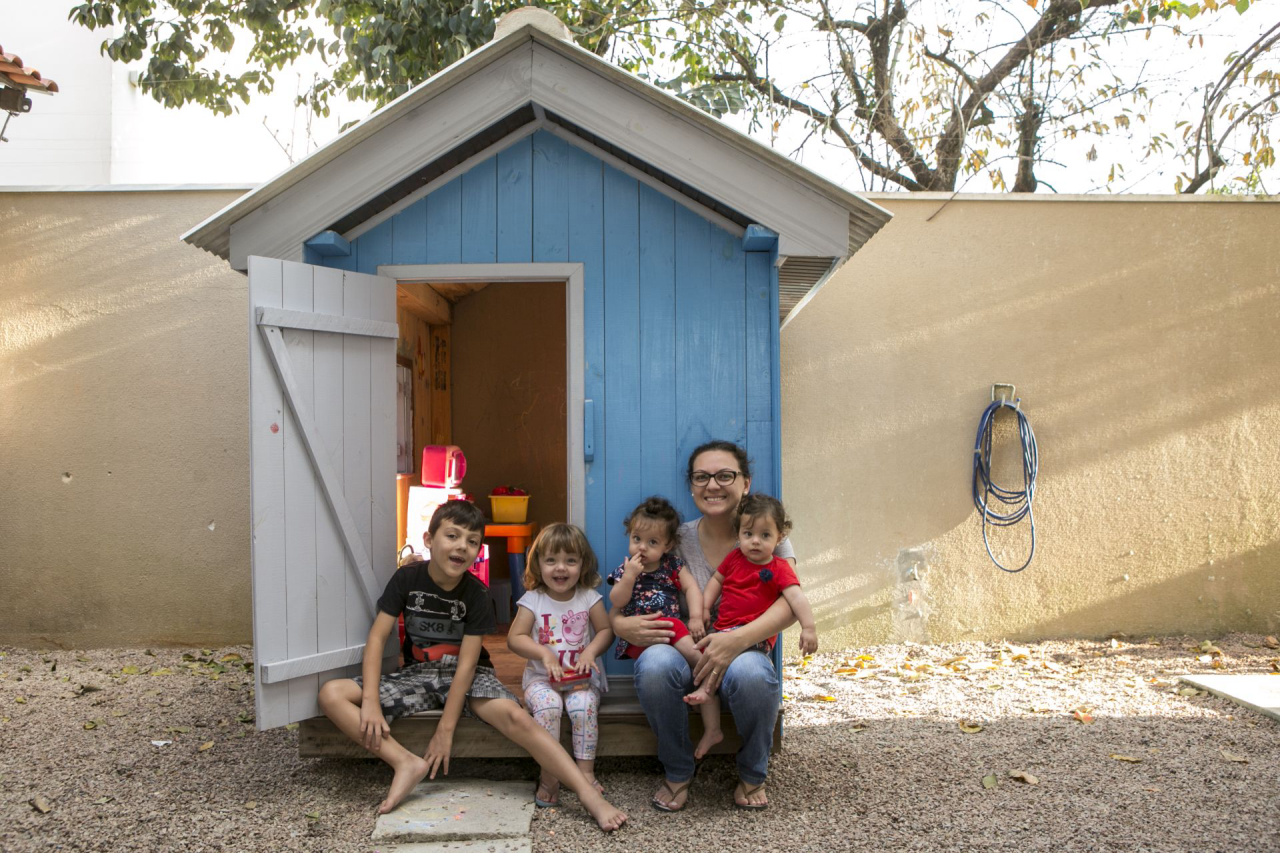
1018, 500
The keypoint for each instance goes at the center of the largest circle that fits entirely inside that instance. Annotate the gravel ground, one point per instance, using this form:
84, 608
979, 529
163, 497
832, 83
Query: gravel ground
876, 755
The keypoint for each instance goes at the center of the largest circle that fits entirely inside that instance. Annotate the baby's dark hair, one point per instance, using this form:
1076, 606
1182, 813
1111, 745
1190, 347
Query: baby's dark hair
657, 509
755, 506
556, 538
465, 514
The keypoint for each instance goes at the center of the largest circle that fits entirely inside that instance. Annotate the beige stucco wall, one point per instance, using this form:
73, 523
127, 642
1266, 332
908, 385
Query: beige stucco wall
124, 514
1144, 339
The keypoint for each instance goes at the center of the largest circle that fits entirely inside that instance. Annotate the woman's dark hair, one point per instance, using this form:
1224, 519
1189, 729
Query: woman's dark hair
744, 463
465, 514
756, 506
657, 509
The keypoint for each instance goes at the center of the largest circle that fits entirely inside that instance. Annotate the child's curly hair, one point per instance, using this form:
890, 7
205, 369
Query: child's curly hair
659, 509
561, 537
755, 506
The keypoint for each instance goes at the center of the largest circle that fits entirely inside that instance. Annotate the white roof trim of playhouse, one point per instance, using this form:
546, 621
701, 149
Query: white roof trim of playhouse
483, 96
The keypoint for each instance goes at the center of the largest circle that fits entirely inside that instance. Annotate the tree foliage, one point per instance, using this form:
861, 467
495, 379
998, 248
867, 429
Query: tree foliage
922, 95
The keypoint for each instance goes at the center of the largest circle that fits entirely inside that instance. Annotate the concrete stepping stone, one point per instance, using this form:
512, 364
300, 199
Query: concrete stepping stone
1257, 691
458, 810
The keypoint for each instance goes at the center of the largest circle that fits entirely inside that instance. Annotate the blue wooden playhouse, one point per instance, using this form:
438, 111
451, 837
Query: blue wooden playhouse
680, 244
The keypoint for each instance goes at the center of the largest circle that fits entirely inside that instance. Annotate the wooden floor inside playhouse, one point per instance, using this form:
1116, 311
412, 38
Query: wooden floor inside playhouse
623, 727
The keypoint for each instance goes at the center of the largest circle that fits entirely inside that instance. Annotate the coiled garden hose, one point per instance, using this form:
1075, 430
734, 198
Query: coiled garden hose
984, 489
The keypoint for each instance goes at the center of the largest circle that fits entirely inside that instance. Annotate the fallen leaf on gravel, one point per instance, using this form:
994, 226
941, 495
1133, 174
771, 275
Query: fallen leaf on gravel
825, 698
82, 659
1271, 643
970, 727
244, 717
149, 652
1231, 756
1190, 691
857, 727
231, 656
1083, 716
1129, 758
1024, 777
955, 660
1208, 646
161, 742
206, 746
990, 781
845, 670
118, 713
312, 815
786, 697
24, 668
251, 805
91, 725
130, 670
180, 730
102, 801
40, 804
21, 700
163, 671
290, 727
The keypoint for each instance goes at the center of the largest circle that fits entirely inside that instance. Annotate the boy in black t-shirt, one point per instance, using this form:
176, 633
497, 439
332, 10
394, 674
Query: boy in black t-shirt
446, 615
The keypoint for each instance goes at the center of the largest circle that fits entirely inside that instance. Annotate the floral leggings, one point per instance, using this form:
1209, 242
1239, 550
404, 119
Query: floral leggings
546, 704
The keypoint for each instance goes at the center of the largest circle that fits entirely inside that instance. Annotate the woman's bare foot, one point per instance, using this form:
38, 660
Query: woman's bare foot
607, 816
750, 796
698, 697
409, 774
709, 738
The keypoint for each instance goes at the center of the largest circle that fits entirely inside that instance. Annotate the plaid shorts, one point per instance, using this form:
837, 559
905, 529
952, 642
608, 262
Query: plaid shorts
424, 686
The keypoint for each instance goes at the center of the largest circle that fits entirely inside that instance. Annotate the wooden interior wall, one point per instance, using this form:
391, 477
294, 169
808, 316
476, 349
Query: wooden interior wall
415, 345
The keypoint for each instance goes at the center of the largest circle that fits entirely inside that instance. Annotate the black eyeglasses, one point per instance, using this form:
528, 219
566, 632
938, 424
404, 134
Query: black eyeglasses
724, 478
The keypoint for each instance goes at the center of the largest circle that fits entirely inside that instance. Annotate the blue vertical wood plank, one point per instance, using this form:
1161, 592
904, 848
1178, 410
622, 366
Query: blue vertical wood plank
480, 213
775, 338
375, 247
623, 479
515, 202
760, 448
586, 246
444, 224
759, 324
550, 198
658, 453
728, 391
409, 234
694, 304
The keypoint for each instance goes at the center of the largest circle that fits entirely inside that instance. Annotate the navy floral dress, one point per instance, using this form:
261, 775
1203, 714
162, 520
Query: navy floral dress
655, 592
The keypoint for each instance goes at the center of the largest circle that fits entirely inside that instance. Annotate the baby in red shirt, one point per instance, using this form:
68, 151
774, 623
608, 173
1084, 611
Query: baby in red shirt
751, 578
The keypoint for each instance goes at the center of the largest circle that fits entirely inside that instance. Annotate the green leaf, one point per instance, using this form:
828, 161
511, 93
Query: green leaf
1242, 6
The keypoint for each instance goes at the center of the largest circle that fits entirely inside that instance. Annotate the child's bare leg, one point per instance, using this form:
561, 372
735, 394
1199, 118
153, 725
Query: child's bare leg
705, 699
512, 721
340, 700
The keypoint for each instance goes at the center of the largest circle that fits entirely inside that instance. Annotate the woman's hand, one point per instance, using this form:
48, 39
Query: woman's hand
648, 629
718, 651
438, 750
552, 662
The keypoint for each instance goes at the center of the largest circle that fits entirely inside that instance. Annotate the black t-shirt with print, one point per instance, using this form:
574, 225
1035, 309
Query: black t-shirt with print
435, 619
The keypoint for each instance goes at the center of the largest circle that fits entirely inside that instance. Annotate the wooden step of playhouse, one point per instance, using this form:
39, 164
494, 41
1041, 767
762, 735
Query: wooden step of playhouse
623, 731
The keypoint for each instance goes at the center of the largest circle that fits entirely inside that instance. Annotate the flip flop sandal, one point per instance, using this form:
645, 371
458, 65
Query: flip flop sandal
545, 804
747, 792
675, 791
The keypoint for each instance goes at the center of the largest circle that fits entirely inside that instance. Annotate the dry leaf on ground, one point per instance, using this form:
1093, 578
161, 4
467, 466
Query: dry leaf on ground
970, 726
1129, 758
990, 781
1024, 777
1082, 716
40, 804
1231, 756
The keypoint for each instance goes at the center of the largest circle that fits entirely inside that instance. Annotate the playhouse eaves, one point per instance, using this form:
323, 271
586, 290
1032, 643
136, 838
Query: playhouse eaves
528, 81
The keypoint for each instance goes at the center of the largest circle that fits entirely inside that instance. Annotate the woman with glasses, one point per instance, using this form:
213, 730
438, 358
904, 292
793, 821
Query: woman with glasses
719, 474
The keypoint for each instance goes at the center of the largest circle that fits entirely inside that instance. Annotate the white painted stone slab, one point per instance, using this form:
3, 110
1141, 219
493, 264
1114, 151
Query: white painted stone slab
1257, 691
488, 845
460, 810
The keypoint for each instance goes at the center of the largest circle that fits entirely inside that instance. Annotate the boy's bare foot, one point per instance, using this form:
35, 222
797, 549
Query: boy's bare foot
709, 739
697, 697
607, 816
413, 771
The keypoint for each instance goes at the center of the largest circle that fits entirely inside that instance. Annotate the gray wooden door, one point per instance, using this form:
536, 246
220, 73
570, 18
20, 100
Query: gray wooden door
322, 359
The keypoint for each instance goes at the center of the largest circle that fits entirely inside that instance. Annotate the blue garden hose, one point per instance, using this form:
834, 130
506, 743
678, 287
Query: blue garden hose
983, 488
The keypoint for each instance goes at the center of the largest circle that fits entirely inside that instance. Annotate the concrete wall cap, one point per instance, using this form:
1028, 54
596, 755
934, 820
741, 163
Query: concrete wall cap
531, 16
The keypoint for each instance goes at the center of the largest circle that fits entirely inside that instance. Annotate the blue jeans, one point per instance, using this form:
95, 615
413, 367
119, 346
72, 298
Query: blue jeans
750, 690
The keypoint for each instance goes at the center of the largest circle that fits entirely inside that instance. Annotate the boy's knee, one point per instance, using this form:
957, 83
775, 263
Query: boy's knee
331, 693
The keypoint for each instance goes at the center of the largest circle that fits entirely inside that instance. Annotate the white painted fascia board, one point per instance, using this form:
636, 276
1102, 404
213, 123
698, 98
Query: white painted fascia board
362, 172
654, 133
858, 205
209, 233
